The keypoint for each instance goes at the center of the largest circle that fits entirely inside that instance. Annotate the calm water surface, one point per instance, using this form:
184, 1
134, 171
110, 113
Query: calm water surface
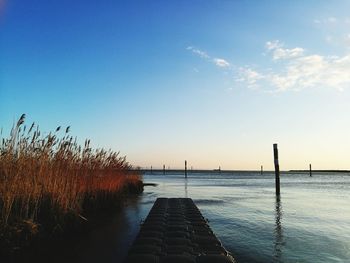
309, 223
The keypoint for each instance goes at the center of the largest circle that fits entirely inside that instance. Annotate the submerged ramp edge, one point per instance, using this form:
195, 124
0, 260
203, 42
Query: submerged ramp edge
175, 231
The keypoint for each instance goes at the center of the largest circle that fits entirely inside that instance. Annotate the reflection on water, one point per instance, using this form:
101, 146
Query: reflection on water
278, 231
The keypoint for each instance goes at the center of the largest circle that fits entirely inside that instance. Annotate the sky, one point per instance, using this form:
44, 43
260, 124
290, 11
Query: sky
212, 82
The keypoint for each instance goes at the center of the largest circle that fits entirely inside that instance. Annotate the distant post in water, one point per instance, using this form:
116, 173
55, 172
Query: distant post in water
310, 170
261, 170
163, 169
185, 169
151, 169
277, 169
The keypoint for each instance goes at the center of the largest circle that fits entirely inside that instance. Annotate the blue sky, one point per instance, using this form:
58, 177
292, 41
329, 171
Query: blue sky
213, 82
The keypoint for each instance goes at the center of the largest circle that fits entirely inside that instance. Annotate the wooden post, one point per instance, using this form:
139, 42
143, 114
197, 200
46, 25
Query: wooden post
277, 169
163, 169
261, 170
310, 170
185, 169
151, 169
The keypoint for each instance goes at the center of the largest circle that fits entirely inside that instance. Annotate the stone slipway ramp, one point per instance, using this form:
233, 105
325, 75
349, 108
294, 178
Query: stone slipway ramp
176, 232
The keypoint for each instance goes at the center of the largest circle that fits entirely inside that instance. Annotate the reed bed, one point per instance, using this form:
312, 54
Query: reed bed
51, 176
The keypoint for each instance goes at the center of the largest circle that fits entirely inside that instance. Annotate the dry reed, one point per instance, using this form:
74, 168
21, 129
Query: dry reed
36, 168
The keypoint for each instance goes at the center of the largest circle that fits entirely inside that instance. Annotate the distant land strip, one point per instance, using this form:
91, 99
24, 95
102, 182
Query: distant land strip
320, 171
234, 171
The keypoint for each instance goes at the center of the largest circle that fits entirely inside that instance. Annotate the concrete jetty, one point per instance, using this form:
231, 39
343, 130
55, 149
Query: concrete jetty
176, 232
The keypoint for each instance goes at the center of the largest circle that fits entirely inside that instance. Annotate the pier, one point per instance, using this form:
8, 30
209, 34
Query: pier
176, 231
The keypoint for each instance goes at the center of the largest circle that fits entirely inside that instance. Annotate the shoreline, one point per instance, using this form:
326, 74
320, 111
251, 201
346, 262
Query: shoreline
181, 171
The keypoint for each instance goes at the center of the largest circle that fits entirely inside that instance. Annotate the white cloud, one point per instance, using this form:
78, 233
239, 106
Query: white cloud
326, 21
312, 71
337, 29
249, 77
271, 45
281, 53
295, 70
278, 52
299, 73
198, 52
220, 62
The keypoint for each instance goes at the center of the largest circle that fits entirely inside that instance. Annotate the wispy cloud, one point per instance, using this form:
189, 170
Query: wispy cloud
292, 69
326, 21
278, 52
297, 69
198, 52
300, 72
249, 76
314, 71
337, 29
220, 62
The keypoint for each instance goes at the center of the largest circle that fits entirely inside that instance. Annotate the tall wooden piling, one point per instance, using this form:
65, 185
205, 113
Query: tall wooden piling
310, 170
185, 169
163, 169
277, 169
151, 169
261, 170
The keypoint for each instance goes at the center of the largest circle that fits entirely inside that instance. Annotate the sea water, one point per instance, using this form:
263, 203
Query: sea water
309, 222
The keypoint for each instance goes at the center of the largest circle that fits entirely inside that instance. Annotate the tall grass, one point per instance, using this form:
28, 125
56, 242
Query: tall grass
55, 171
